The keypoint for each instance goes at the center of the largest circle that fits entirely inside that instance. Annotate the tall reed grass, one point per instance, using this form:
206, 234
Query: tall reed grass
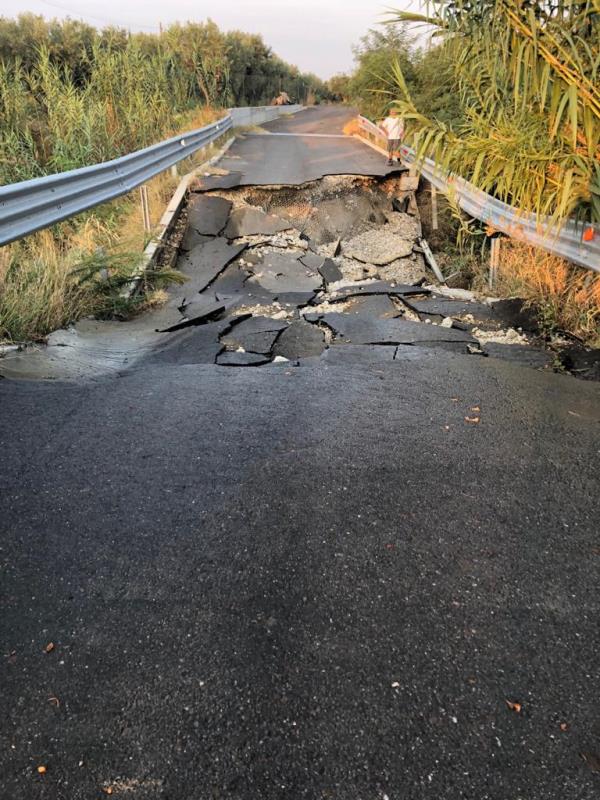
49, 123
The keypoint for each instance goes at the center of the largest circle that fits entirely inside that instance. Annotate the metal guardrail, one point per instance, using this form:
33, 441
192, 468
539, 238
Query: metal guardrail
565, 241
31, 205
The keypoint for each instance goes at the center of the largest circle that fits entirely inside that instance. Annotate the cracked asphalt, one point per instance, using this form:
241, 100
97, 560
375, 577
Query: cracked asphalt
313, 581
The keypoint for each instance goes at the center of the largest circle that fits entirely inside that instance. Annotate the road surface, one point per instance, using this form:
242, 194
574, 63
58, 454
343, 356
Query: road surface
302, 148
313, 581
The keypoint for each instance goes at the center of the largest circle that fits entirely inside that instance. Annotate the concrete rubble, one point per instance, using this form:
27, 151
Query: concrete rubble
378, 247
334, 266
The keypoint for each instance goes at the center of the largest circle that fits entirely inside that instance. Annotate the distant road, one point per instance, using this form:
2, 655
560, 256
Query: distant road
307, 155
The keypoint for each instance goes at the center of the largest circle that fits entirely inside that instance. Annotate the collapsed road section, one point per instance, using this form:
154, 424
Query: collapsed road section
332, 269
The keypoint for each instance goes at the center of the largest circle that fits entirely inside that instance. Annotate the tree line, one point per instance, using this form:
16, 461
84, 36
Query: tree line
72, 95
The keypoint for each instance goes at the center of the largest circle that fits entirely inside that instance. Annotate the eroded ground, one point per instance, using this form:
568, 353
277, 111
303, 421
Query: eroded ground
295, 273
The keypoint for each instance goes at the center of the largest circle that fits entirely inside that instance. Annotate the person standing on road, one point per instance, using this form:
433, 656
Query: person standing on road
394, 130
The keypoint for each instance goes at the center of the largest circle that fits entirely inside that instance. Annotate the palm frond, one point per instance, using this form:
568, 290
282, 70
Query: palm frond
528, 79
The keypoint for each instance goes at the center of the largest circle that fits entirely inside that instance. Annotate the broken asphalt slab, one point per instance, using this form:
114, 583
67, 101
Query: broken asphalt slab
249, 221
208, 215
261, 342
435, 306
192, 238
234, 282
207, 260
256, 324
312, 261
284, 273
255, 334
509, 313
374, 287
359, 330
230, 281
373, 306
330, 272
300, 340
297, 299
196, 344
209, 183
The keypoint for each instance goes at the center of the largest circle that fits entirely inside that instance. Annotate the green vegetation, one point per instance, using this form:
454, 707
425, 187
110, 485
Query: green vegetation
527, 77
71, 95
507, 94
375, 54
78, 267
372, 86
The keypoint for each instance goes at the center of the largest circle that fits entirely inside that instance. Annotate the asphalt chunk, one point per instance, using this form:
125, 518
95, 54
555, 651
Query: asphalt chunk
376, 287
300, 340
281, 273
209, 183
254, 334
330, 271
361, 330
445, 307
208, 215
250, 221
207, 260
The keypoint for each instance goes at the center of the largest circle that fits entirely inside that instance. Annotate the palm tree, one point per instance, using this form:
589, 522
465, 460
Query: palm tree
528, 77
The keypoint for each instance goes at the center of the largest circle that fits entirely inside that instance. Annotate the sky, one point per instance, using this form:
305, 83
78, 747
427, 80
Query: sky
316, 35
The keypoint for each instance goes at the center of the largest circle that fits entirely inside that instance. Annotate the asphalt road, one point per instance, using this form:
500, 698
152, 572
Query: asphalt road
303, 148
313, 581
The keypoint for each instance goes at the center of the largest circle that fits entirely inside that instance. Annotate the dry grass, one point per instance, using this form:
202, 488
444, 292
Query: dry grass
568, 297
59, 275
38, 289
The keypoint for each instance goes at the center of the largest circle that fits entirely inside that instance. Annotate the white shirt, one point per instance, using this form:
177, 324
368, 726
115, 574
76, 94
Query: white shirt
393, 127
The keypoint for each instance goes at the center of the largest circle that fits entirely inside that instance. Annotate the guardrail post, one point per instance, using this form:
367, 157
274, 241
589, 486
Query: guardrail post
174, 171
145, 208
494, 261
434, 208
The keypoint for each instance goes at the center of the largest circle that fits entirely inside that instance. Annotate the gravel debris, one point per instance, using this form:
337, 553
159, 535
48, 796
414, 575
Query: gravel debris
404, 225
354, 270
507, 336
326, 307
275, 311
378, 246
404, 270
